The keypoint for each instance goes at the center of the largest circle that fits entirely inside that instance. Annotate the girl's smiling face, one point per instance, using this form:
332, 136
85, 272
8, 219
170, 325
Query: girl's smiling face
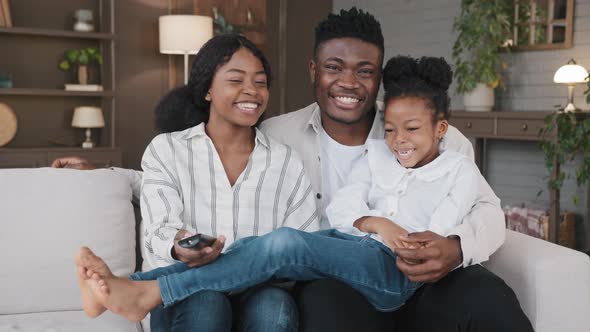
410, 131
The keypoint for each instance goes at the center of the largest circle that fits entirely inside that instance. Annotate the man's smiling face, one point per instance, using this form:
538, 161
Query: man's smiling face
346, 73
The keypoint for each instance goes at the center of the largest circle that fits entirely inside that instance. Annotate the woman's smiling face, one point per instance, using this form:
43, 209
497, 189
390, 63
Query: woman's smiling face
410, 132
239, 90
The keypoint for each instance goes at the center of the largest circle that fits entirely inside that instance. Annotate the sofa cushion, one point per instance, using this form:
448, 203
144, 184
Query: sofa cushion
46, 215
65, 321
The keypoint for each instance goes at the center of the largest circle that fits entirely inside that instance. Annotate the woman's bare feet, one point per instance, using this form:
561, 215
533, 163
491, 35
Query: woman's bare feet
130, 299
102, 290
92, 307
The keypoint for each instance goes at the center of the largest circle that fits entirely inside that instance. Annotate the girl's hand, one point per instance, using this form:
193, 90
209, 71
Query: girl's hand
392, 234
192, 257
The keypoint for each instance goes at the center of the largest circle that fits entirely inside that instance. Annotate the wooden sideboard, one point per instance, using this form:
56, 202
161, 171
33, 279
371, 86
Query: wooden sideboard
508, 125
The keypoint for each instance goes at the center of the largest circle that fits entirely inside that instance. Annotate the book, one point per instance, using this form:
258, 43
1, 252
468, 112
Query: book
6, 10
83, 87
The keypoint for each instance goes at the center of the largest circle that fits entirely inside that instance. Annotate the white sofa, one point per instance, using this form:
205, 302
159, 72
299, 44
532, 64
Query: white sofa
47, 214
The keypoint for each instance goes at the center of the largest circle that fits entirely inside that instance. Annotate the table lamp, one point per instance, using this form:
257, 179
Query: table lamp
570, 74
88, 117
184, 34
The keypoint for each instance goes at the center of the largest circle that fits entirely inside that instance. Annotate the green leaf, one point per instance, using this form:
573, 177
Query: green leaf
83, 58
72, 55
64, 65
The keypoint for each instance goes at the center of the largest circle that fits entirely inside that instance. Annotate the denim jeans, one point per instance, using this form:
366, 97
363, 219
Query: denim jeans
260, 309
361, 262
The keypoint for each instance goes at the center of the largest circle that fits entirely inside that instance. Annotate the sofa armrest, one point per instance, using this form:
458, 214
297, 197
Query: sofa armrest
551, 282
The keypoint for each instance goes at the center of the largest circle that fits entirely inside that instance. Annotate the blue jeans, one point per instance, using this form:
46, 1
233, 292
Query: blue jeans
260, 309
361, 262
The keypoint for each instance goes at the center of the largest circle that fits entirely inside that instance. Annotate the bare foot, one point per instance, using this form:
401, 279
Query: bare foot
130, 299
94, 263
92, 307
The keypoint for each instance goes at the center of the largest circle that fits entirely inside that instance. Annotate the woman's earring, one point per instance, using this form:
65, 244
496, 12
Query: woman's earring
208, 97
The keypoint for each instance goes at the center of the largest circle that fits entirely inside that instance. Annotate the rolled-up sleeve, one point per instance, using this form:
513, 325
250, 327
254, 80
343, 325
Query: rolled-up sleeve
161, 203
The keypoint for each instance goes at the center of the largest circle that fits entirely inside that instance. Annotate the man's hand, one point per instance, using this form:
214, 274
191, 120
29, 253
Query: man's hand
192, 257
72, 162
429, 256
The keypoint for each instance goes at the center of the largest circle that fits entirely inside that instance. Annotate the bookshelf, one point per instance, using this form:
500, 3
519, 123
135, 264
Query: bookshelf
41, 32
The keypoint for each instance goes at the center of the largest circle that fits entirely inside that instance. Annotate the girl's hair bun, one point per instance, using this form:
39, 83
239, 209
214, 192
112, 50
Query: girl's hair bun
399, 68
435, 71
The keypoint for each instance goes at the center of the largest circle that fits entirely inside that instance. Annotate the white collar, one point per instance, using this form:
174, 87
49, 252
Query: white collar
199, 131
377, 131
385, 162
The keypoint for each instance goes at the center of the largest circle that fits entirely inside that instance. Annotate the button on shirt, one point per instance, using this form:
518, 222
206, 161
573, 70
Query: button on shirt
185, 186
434, 197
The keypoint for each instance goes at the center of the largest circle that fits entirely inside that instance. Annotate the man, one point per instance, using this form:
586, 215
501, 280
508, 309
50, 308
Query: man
330, 136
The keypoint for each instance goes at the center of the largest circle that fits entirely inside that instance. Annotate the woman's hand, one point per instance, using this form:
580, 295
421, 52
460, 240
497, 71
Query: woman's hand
192, 257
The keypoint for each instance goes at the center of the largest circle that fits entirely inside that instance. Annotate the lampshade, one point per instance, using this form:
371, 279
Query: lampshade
571, 73
184, 34
87, 117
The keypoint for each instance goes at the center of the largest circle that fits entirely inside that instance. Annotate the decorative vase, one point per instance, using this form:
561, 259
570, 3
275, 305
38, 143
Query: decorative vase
82, 74
480, 99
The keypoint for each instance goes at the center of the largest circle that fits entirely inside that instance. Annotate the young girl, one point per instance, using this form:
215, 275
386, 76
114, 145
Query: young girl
404, 184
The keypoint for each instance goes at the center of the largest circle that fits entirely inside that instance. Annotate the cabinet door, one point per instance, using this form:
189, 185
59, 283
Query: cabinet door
22, 159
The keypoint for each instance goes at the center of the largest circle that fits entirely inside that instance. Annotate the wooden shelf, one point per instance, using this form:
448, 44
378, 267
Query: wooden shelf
54, 93
57, 33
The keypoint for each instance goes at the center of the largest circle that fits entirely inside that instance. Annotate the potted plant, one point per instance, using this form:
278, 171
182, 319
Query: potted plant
565, 137
482, 28
81, 57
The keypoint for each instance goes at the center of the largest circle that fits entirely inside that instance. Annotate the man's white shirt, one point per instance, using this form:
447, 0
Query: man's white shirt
338, 161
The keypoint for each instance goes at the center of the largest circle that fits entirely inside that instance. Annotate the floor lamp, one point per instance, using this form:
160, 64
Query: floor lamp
184, 34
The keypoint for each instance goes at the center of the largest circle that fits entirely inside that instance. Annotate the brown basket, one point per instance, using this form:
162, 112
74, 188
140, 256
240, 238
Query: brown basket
567, 229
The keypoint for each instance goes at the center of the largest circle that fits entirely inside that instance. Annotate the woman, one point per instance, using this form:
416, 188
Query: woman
221, 177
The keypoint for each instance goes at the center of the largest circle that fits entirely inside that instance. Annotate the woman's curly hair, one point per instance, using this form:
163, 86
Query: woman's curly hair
428, 78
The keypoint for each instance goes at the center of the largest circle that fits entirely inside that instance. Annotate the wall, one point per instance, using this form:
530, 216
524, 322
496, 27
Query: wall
141, 74
515, 170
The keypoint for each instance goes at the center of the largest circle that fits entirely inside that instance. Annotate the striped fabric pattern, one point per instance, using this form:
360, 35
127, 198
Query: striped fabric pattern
185, 186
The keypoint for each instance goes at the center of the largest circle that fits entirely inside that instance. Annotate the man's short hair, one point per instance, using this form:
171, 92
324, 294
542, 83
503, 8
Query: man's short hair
353, 23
